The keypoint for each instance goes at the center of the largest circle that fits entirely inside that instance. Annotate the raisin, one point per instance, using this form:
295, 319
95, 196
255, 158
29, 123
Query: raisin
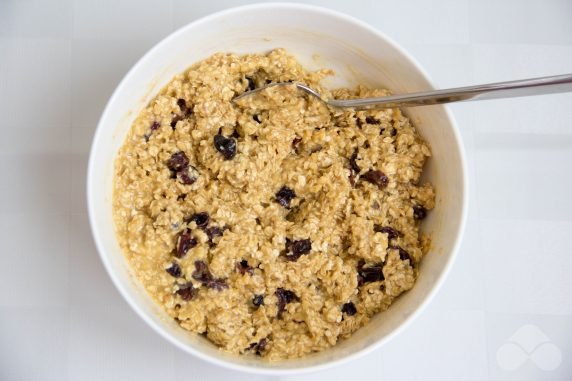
349, 309
174, 270
391, 233
260, 347
284, 196
182, 105
372, 120
353, 165
178, 161
258, 300
242, 267
371, 274
187, 175
251, 85
359, 267
376, 177
419, 212
284, 297
295, 249
212, 232
187, 291
217, 284
185, 242
175, 120
295, 143
155, 126
203, 275
226, 146
403, 254
200, 219
352, 178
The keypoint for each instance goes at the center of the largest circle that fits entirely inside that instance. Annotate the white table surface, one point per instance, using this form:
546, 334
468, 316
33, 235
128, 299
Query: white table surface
505, 312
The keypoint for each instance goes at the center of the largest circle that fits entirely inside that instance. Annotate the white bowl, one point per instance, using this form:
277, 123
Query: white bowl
319, 38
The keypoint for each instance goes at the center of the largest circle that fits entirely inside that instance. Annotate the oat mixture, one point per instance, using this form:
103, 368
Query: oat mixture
276, 227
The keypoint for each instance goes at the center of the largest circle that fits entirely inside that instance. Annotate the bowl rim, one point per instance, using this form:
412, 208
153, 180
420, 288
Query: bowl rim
96, 142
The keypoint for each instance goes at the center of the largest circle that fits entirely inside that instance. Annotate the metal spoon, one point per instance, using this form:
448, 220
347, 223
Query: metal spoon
509, 89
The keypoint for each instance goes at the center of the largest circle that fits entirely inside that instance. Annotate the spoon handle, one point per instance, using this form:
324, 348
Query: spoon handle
510, 89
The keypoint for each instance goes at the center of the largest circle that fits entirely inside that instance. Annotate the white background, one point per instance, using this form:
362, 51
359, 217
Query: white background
61, 318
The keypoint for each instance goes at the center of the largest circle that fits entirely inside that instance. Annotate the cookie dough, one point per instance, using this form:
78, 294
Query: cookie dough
277, 226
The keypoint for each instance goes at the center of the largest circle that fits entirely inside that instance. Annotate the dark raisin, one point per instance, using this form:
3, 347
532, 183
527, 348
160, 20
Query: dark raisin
260, 347
353, 165
301, 247
174, 270
187, 175
284, 297
284, 196
419, 212
212, 232
391, 233
175, 120
242, 267
352, 178
295, 249
376, 177
185, 242
256, 118
372, 120
217, 284
360, 280
203, 275
258, 300
187, 291
251, 85
349, 309
295, 143
201, 219
182, 105
155, 126
178, 161
403, 254
226, 146
371, 274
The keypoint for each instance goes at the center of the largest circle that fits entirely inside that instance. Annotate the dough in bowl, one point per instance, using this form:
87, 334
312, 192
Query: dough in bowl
276, 226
